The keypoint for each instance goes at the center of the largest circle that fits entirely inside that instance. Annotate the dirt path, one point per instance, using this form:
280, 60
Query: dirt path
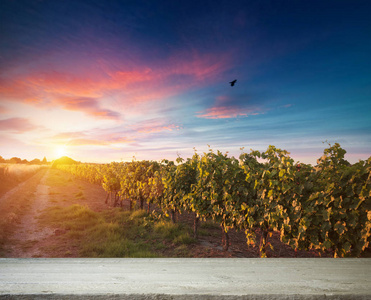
22, 206
28, 235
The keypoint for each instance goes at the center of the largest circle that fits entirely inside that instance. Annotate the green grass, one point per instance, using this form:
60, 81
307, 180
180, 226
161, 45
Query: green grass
178, 233
117, 233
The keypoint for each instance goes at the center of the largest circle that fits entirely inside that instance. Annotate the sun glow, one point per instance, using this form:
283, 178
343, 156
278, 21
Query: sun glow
60, 151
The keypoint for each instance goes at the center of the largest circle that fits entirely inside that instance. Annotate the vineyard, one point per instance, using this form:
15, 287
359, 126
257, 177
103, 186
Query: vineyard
326, 207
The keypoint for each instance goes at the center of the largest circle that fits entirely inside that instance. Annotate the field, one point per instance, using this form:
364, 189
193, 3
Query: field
54, 214
210, 205
13, 174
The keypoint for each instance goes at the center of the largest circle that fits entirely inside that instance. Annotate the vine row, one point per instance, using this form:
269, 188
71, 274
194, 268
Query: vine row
326, 207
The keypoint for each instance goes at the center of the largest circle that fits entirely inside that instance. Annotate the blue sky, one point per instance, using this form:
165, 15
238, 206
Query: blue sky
104, 81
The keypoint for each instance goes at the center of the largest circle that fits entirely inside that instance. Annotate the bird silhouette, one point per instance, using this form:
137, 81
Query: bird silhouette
233, 82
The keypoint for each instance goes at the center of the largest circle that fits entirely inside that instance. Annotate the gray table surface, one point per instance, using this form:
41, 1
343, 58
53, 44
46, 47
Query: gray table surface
219, 278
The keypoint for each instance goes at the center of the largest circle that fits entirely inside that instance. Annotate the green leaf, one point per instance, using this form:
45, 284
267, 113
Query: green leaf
327, 244
347, 247
339, 227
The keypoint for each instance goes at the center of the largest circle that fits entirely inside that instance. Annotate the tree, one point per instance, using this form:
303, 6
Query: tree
35, 161
15, 160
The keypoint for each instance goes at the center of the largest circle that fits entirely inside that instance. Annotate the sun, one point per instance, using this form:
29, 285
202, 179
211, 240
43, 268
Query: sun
61, 151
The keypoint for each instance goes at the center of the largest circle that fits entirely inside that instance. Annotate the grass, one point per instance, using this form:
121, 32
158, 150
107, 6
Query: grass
178, 233
28, 245
116, 233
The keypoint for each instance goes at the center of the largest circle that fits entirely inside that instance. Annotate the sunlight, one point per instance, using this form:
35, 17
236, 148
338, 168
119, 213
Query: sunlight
61, 151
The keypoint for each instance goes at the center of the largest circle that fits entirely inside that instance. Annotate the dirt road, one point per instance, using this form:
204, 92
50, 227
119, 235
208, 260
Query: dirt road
23, 205
28, 236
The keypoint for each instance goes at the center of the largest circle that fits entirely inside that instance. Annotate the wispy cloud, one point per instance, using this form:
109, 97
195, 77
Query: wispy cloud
16, 89
89, 139
89, 106
169, 77
17, 125
3, 110
154, 125
222, 112
227, 108
68, 135
95, 90
117, 136
98, 142
88, 142
286, 105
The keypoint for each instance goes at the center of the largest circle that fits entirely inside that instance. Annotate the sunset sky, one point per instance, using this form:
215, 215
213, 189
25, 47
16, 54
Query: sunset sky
104, 81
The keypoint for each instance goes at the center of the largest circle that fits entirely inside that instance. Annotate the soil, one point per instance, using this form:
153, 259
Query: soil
29, 234
28, 238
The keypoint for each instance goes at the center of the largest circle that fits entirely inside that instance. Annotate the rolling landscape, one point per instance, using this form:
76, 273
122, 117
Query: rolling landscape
185, 128
210, 205
157, 149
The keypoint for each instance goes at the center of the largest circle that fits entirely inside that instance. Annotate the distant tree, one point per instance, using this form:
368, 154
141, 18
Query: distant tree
15, 160
2, 160
24, 161
35, 161
44, 161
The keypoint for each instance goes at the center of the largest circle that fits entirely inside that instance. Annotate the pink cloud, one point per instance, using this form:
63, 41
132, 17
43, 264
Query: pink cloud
84, 139
222, 112
120, 140
87, 142
152, 126
152, 129
3, 110
173, 77
124, 78
16, 89
86, 90
98, 142
89, 106
68, 135
17, 125
140, 84
226, 107
201, 67
68, 84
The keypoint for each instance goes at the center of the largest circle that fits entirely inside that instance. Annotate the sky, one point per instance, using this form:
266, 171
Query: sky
103, 81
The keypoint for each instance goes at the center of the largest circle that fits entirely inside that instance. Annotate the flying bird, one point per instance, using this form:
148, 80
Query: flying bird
233, 82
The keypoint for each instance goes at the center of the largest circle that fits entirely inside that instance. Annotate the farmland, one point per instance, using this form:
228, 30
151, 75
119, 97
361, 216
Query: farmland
209, 205
13, 174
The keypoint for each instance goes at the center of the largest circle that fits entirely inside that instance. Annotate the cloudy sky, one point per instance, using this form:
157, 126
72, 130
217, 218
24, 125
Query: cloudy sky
104, 81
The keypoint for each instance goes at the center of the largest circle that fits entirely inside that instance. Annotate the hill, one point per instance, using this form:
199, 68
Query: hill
64, 160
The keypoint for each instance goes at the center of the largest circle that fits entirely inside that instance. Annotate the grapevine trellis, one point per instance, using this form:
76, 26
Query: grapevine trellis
326, 207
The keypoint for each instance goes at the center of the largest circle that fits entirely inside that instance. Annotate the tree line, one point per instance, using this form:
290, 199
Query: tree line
17, 160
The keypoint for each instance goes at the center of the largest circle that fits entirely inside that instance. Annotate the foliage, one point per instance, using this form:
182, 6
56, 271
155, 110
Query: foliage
326, 207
